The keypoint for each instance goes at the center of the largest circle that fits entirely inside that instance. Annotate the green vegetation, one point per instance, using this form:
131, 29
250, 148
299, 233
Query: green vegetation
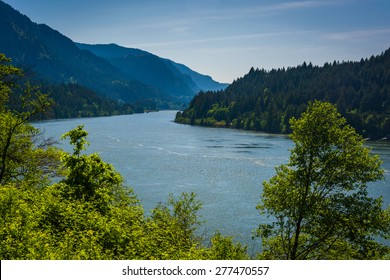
266, 100
58, 205
24, 156
111, 72
75, 101
86, 212
319, 199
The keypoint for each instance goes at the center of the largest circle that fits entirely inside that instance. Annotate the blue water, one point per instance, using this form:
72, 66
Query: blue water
224, 167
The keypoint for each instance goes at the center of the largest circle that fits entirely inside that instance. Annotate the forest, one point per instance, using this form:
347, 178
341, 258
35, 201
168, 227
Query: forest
75, 101
72, 100
58, 205
266, 100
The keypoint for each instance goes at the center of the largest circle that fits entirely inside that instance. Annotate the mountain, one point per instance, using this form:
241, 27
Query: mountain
164, 74
266, 100
124, 74
74, 101
202, 82
56, 58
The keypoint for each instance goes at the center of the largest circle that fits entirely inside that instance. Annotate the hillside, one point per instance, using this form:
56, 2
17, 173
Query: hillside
124, 74
145, 67
168, 76
202, 82
75, 101
266, 100
56, 58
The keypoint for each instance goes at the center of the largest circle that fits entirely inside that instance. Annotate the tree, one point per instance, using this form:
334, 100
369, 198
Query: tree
171, 229
319, 200
265, 100
89, 213
224, 248
89, 178
23, 153
7, 81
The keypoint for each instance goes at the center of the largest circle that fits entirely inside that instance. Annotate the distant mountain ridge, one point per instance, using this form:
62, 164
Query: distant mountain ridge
203, 82
158, 72
57, 59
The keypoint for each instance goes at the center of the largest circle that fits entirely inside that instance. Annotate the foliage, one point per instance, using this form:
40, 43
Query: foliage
40, 224
88, 177
91, 215
266, 100
24, 155
75, 101
88, 213
171, 228
319, 200
224, 248
7, 74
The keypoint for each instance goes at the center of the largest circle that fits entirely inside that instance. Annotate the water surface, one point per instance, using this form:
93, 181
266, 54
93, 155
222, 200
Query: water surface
225, 167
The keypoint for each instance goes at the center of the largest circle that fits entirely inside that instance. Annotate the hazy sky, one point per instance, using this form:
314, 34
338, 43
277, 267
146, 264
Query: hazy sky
224, 38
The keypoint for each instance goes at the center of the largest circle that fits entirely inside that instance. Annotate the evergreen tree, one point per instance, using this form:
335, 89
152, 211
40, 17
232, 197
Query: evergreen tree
265, 100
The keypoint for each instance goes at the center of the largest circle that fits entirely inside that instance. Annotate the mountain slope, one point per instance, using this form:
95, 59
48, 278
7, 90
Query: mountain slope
143, 66
56, 58
202, 82
266, 100
166, 75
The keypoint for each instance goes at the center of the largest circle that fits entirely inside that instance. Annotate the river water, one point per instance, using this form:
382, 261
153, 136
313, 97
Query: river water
225, 167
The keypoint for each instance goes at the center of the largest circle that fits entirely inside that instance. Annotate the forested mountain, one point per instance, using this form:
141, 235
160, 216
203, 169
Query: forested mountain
163, 74
70, 101
266, 100
75, 101
128, 75
56, 58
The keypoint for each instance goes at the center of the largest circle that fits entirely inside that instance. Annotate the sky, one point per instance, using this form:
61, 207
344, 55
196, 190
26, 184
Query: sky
225, 38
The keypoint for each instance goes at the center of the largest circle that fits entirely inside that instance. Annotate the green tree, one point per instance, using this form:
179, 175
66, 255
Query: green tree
7, 79
24, 154
319, 200
89, 213
88, 177
67, 220
171, 229
224, 248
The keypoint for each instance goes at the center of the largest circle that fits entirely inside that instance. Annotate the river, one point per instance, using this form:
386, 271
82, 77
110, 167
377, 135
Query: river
225, 167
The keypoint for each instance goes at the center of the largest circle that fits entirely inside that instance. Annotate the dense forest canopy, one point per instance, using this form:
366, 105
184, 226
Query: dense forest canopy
265, 100
76, 101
